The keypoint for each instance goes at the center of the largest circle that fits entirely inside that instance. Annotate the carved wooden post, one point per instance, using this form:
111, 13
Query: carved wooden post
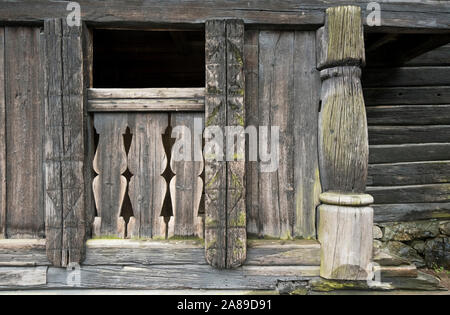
345, 226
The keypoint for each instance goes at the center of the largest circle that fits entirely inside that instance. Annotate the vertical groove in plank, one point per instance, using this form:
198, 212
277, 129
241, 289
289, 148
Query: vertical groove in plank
2, 137
251, 57
276, 95
64, 144
25, 211
147, 162
110, 163
215, 168
236, 211
186, 187
306, 159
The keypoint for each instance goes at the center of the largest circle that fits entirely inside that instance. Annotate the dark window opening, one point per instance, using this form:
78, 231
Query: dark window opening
149, 59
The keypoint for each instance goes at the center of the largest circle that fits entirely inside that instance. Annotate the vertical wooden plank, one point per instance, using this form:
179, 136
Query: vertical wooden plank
215, 168
276, 93
25, 211
236, 211
64, 143
110, 163
2, 137
147, 161
186, 187
306, 116
251, 64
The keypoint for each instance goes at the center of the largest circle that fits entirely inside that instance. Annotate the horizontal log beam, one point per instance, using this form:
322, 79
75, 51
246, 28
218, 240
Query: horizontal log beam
406, 16
408, 153
411, 212
410, 194
398, 115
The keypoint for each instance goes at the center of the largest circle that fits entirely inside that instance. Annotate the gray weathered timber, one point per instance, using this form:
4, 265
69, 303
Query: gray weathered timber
409, 115
410, 76
276, 100
236, 205
409, 134
410, 194
23, 253
409, 153
306, 117
64, 143
215, 166
251, 70
146, 105
24, 135
22, 277
411, 212
181, 276
186, 187
416, 173
434, 95
2, 137
110, 162
147, 162
167, 93
309, 13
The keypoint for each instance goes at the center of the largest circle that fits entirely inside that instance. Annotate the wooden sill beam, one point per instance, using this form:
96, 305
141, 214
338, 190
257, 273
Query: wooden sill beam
146, 100
408, 16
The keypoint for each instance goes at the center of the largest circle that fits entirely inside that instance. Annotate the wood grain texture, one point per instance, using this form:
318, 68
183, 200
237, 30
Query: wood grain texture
406, 76
411, 212
409, 153
416, 173
434, 95
17, 277
410, 194
306, 118
186, 187
147, 161
110, 162
215, 168
409, 134
23, 253
146, 105
308, 13
2, 137
409, 115
64, 144
276, 99
345, 234
24, 135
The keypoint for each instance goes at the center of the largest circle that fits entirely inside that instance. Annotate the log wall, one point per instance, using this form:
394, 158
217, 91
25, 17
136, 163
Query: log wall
409, 132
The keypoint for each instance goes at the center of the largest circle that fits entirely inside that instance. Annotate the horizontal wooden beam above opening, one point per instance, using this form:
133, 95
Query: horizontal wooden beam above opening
407, 16
146, 100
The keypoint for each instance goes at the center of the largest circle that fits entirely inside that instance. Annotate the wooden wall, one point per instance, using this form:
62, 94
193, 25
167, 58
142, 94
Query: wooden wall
282, 89
409, 131
21, 190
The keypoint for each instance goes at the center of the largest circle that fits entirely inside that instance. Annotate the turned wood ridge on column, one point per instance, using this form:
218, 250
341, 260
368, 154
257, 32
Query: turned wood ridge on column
346, 218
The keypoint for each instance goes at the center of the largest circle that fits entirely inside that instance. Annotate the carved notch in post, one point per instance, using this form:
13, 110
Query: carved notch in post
345, 227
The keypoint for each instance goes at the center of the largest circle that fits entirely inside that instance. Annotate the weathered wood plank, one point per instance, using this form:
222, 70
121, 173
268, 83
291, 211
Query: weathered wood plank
409, 153
410, 194
110, 162
406, 76
24, 135
235, 147
2, 137
306, 117
181, 276
411, 212
21, 253
186, 187
64, 144
433, 15
251, 69
436, 57
276, 99
147, 105
434, 95
168, 93
16, 277
147, 161
215, 166
409, 134
409, 115
416, 173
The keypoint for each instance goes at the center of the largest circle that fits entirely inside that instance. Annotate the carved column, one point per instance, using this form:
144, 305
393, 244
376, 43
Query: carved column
345, 226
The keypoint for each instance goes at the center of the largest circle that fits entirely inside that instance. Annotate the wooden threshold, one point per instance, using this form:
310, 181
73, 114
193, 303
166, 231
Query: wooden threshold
146, 100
